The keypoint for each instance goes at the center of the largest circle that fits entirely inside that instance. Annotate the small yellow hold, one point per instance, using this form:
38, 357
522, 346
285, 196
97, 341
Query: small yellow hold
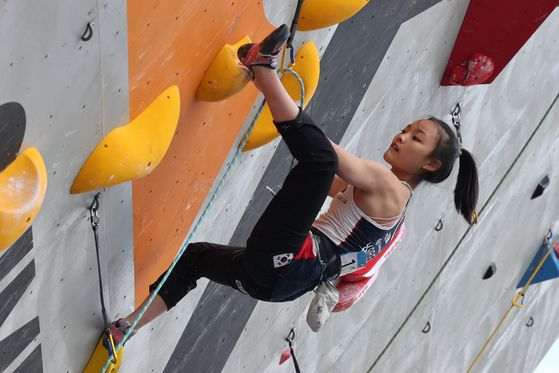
226, 75
317, 14
99, 359
23, 185
307, 66
132, 151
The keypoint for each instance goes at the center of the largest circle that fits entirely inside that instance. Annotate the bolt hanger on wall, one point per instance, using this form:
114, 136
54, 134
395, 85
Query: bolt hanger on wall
88, 33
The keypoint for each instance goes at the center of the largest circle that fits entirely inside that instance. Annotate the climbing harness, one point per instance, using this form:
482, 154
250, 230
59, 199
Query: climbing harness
196, 227
289, 340
95, 226
515, 300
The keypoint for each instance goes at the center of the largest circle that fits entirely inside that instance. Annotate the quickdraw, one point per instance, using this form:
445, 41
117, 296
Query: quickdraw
95, 226
456, 121
289, 340
289, 43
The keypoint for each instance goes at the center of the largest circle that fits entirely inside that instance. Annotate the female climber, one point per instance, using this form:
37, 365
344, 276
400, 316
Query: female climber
289, 252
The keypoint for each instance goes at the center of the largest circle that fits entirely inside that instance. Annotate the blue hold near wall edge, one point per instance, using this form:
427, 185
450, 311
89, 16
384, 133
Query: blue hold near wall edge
549, 269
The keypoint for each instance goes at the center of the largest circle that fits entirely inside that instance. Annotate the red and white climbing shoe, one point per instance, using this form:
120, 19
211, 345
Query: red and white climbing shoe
118, 331
266, 52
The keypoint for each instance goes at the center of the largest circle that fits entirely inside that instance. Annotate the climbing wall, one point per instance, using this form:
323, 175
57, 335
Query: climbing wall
74, 71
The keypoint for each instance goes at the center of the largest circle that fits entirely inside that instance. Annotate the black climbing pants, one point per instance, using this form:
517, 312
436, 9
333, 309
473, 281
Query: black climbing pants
282, 229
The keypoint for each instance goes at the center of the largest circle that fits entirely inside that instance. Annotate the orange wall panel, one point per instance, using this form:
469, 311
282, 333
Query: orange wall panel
174, 42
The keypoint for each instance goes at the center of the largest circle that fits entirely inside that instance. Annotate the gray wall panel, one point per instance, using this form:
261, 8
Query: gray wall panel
14, 344
12, 129
33, 363
13, 255
11, 295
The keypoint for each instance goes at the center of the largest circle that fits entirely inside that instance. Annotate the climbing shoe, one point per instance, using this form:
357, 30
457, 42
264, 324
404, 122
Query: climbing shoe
118, 331
266, 52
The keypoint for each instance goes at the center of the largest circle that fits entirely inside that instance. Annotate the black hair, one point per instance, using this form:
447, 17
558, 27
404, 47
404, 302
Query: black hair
446, 151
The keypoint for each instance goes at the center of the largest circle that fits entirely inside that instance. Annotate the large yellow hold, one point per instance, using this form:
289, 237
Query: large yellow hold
317, 14
307, 66
132, 151
23, 185
226, 75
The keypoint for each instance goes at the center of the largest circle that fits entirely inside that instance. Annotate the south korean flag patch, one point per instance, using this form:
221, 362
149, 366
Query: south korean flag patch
282, 260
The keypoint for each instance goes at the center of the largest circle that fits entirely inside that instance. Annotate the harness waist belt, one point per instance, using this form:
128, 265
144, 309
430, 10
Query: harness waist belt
328, 253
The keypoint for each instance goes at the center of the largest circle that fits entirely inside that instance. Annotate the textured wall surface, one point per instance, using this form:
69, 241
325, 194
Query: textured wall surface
380, 70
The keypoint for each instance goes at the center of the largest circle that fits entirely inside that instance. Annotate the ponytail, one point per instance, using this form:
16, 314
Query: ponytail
467, 186
446, 151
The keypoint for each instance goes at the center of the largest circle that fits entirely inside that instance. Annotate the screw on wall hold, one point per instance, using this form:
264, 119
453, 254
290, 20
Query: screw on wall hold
541, 187
490, 271
88, 33
427, 328
530, 322
439, 225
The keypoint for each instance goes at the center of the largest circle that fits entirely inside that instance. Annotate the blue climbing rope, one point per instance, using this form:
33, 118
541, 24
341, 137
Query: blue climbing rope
189, 239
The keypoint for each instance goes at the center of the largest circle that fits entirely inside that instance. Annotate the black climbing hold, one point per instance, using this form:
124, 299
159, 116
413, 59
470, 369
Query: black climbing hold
439, 225
541, 187
12, 129
427, 328
530, 322
490, 271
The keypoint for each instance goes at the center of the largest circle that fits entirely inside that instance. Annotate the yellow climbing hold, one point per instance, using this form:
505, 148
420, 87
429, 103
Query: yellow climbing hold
226, 76
99, 359
307, 66
23, 185
132, 151
317, 14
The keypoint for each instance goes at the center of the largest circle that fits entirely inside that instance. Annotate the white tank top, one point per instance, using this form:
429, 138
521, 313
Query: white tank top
351, 230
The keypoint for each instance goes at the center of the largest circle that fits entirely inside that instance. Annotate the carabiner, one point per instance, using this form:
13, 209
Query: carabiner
88, 33
516, 298
456, 113
112, 347
291, 336
93, 210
